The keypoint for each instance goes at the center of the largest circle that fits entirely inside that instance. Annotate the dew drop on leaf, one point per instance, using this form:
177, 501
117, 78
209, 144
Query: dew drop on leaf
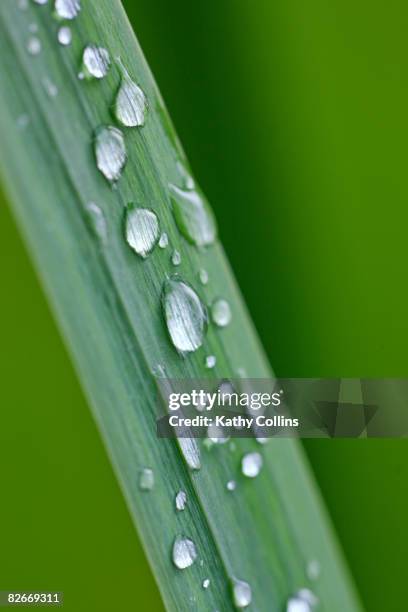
203, 276
64, 36
163, 240
242, 594
67, 9
22, 5
141, 229
50, 88
185, 315
216, 434
210, 361
146, 479
131, 103
97, 221
187, 180
193, 216
95, 61
313, 569
231, 485
176, 258
36, 2
181, 500
206, 583
303, 601
221, 313
184, 552
110, 152
252, 464
33, 45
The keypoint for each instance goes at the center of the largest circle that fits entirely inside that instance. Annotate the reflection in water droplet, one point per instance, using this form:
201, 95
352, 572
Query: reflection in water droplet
231, 485
33, 45
142, 229
131, 103
185, 315
203, 276
241, 593
184, 552
64, 36
210, 361
176, 258
95, 61
181, 500
67, 9
221, 313
313, 569
206, 583
163, 241
193, 216
146, 479
110, 152
252, 464
185, 176
191, 452
50, 88
97, 221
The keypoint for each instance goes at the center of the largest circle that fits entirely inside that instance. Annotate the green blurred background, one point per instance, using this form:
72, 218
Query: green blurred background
294, 118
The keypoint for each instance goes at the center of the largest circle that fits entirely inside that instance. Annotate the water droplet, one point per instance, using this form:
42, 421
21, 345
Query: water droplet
184, 552
262, 441
241, 593
23, 121
206, 583
146, 479
303, 601
40, 1
193, 216
185, 176
97, 221
252, 464
131, 103
34, 45
176, 258
231, 485
64, 36
110, 152
210, 361
313, 569
203, 276
67, 9
33, 28
185, 315
191, 452
95, 61
50, 88
216, 434
81, 76
142, 229
221, 313
163, 241
181, 500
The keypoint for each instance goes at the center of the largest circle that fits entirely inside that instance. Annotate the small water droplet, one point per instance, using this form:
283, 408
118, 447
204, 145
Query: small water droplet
146, 479
193, 216
142, 229
191, 452
23, 121
210, 361
181, 500
81, 76
206, 583
97, 221
221, 313
67, 9
184, 552
262, 441
64, 36
110, 152
163, 241
216, 434
185, 315
33, 28
40, 1
231, 485
303, 601
203, 276
242, 593
131, 103
96, 61
185, 176
33, 45
252, 464
176, 258
50, 88
313, 569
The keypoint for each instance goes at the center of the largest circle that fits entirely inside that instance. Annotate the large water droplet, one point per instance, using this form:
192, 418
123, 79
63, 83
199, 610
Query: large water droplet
142, 229
185, 315
33, 45
221, 313
242, 593
181, 500
95, 61
67, 9
193, 216
176, 258
64, 36
97, 221
146, 479
191, 452
131, 103
163, 241
184, 552
252, 464
110, 152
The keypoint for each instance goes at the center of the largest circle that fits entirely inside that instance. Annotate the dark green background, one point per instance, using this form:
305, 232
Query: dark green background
294, 117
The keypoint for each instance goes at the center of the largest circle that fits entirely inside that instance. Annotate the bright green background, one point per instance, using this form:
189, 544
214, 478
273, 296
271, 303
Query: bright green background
294, 117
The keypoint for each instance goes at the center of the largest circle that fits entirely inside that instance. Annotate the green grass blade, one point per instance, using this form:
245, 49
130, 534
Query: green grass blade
107, 303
